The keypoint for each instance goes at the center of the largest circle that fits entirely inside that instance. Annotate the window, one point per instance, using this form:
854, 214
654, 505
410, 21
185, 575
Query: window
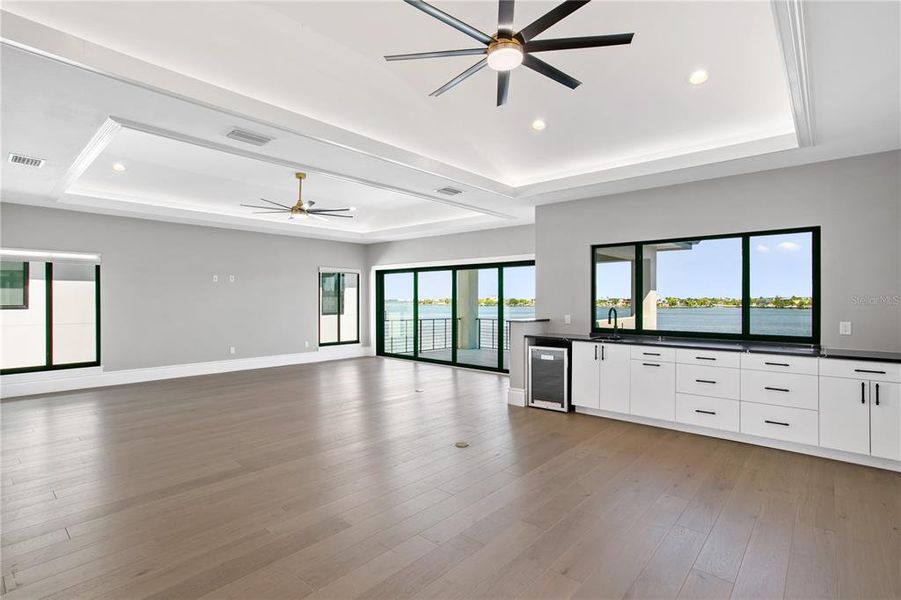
456, 314
781, 284
13, 284
339, 307
57, 324
759, 285
692, 286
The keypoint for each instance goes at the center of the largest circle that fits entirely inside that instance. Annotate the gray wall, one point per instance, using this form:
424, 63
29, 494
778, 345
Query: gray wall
857, 202
159, 304
505, 241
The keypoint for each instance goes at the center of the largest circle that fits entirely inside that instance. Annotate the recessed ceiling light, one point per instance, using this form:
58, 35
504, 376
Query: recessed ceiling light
118, 167
698, 77
538, 125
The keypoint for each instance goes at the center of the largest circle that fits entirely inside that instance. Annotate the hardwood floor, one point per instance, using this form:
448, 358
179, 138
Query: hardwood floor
341, 480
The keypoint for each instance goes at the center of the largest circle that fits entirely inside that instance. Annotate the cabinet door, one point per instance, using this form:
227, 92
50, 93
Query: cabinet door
653, 389
615, 378
885, 420
845, 414
586, 374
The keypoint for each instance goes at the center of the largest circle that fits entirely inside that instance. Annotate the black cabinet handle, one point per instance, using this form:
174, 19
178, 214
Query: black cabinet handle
863, 392
705, 358
773, 389
772, 364
650, 365
705, 412
775, 422
877, 394
705, 381
603, 353
651, 353
595, 351
869, 371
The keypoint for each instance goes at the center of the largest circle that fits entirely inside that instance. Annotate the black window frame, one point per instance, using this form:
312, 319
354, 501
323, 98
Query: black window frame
453, 268
26, 274
340, 311
745, 335
48, 320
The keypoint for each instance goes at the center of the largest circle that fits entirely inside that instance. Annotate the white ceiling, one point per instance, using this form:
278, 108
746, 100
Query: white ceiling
310, 74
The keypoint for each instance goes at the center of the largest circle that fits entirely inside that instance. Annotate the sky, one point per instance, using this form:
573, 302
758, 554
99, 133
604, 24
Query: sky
519, 282
780, 266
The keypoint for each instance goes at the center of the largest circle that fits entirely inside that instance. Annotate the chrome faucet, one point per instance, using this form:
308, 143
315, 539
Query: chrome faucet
612, 311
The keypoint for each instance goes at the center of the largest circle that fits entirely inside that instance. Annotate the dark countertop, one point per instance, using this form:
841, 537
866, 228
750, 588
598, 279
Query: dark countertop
729, 346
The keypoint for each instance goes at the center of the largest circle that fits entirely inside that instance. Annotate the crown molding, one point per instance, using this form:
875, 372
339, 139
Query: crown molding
789, 17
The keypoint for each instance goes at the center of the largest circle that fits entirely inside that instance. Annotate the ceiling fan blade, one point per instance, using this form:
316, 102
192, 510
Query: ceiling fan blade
325, 210
318, 218
275, 203
503, 87
439, 54
269, 212
538, 65
505, 18
330, 215
267, 208
591, 41
465, 74
551, 17
449, 20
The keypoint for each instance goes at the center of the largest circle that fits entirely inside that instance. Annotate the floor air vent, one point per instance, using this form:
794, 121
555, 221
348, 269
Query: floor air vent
449, 191
26, 161
248, 137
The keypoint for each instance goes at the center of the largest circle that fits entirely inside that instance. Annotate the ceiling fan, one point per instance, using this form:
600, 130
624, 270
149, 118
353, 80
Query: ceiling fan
301, 209
507, 50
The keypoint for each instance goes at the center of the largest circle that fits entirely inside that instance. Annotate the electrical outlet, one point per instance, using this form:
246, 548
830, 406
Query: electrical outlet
215, 279
231, 278
567, 319
231, 349
844, 328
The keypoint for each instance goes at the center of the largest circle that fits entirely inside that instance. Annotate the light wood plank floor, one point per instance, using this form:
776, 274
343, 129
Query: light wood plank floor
341, 480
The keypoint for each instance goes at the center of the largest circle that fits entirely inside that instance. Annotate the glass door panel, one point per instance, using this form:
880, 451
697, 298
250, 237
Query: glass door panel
478, 317
398, 312
436, 315
23, 313
74, 313
519, 300
349, 320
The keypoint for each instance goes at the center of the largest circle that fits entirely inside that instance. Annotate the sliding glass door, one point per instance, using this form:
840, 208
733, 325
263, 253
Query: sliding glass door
455, 314
398, 313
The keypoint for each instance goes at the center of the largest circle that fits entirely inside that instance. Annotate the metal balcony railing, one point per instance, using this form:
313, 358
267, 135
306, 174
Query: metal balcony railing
437, 334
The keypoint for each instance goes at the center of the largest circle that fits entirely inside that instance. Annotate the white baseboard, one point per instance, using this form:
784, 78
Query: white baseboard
516, 396
860, 459
45, 382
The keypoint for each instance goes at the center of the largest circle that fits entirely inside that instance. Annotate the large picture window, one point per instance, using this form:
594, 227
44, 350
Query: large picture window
339, 307
56, 324
756, 285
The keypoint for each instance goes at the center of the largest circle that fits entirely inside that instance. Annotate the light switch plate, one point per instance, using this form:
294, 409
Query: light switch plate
215, 279
567, 319
844, 328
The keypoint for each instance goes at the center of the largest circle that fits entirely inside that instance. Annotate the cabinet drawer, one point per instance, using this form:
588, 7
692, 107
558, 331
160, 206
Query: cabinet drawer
708, 381
716, 413
654, 353
690, 356
860, 369
778, 363
781, 389
653, 389
780, 422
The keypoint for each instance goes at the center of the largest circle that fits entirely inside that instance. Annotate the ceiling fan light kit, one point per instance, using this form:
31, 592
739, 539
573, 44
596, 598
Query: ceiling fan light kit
301, 209
506, 49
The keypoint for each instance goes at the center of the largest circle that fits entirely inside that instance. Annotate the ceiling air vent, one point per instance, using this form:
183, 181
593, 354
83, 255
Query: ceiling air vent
248, 137
27, 161
449, 191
